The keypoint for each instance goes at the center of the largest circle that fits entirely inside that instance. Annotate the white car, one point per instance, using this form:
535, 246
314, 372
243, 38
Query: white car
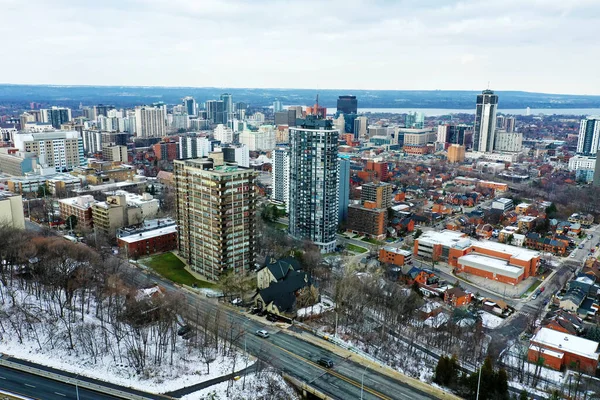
262, 333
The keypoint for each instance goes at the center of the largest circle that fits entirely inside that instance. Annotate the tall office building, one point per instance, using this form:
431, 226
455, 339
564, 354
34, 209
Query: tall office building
453, 133
509, 124
215, 110
360, 127
509, 141
102, 109
314, 184
190, 106
228, 106
149, 121
344, 189
62, 150
347, 105
485, 122
280, 190
277, 106
414, 120
588, 143
56, 116
216, 211
286, 117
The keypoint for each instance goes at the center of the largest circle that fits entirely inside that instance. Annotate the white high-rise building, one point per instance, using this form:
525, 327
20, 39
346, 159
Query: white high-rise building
263, 139
193, 147
92, 141
280, 191
223, 133
150, 121
314, 184
509, 141
588, 142
277, 106
485, 122
62, 150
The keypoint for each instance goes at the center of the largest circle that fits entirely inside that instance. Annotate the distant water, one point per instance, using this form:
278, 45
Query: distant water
433, 112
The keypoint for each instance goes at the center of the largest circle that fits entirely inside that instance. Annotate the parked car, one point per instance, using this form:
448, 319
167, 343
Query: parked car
272, 318
262, 333
236, 302
325, 362
183, 330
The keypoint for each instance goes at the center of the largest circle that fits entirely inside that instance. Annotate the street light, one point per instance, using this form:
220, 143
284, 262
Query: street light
77, 386
479, 381
362, 383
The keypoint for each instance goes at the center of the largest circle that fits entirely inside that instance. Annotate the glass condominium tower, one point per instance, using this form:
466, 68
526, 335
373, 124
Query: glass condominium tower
484, 131
314, 183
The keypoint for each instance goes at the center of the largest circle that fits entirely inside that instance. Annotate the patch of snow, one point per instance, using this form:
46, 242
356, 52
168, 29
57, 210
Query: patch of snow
257, 386
436, 321
489, 320
326, 304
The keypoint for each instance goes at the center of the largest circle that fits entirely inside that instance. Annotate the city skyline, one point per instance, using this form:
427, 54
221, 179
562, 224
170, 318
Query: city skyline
368, 46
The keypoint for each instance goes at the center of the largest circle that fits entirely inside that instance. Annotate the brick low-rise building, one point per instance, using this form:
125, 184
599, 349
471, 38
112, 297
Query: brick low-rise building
80, 207
154, 237
394, 255
558, 349
492, 260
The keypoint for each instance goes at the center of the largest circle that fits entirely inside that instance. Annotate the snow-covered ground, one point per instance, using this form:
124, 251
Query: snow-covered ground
437, 320
326, 304
266, 385
489, 320
48, 348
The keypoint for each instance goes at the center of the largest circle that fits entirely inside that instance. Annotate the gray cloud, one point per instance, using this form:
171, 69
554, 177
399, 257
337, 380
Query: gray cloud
534, 45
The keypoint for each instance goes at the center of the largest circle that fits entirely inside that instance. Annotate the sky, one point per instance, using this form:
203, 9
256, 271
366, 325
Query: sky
549, 46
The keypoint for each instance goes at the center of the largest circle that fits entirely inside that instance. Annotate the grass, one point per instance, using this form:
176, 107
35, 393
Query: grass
531, 288
371, 240
172, 268
356, 236
279, 225
355, 249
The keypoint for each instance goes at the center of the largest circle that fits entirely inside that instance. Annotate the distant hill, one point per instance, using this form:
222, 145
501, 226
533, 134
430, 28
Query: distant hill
132, 95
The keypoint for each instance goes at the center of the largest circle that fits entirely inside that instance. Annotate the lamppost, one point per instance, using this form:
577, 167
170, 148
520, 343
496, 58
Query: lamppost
362, 383
77, 385
479, 381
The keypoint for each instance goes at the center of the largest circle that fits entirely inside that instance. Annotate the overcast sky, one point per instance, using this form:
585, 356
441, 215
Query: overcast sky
548, 46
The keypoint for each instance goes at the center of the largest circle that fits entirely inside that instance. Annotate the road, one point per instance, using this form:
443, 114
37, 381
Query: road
43, 388
295, 356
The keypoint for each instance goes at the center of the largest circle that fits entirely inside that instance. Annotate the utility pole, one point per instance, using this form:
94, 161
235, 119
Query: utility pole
362, 383
479, 381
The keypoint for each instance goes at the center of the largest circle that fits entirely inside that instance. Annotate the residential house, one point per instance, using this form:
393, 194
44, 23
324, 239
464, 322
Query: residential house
563, 321
457, 297
535, 241
285, 286
584, 220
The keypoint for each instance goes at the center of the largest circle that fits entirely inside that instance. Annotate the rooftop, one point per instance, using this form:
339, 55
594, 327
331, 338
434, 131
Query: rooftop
397, 250
491, 264
446, 238
568, 343
149, 234
519, 253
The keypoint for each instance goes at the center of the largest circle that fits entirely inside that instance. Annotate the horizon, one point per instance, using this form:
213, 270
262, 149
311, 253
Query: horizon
345, 91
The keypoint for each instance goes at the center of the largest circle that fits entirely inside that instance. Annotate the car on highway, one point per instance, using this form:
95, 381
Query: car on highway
325, 362
262, 333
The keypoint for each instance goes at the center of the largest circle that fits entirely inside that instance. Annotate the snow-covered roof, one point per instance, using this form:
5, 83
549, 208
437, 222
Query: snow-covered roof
494, 265
165, 230
568, 343
549, 352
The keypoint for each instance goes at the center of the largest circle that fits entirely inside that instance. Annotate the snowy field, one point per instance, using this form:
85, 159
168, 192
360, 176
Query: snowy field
44, 342
266, 385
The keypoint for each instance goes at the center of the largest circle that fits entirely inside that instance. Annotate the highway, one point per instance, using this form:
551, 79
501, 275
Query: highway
42, 388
